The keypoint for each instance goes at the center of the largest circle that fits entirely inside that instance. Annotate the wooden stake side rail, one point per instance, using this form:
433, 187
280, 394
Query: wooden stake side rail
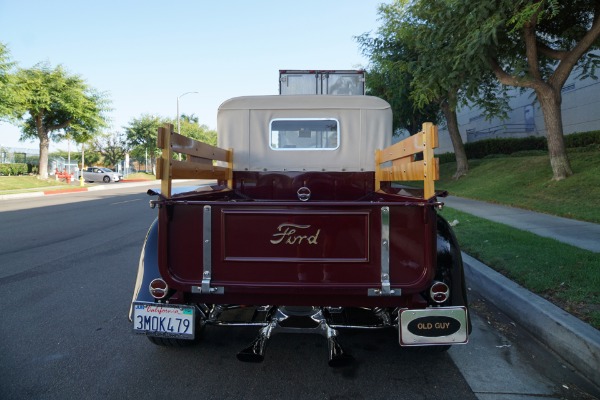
199, 160
401, 156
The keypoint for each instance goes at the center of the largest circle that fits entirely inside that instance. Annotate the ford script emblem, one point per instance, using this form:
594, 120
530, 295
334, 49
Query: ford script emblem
434, 326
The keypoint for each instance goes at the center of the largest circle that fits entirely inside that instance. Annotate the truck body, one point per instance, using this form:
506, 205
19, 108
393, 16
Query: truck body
303, 230
327, 82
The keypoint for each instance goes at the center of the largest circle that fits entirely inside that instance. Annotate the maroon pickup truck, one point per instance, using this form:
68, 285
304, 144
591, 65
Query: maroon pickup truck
305, 228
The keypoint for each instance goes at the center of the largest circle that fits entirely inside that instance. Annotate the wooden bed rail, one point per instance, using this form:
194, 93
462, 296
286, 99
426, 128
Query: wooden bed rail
403, 167
198, 163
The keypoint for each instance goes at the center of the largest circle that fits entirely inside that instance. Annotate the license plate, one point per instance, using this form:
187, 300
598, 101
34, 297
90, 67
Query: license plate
433, 326
164, 320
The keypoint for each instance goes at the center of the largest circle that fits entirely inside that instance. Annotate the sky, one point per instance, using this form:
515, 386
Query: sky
146, 54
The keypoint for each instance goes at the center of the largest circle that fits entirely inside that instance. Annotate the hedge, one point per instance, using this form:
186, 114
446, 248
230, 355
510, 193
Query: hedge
585, 139
523, 146
487, 147
13, 169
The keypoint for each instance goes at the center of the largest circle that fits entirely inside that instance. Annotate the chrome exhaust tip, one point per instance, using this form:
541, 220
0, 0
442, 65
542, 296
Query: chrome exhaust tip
254, 353
337, 356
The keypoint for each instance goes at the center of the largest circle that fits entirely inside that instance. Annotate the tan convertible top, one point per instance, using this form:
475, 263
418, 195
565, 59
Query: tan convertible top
365, 125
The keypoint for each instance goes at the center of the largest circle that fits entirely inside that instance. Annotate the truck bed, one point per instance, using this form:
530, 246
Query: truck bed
266, 250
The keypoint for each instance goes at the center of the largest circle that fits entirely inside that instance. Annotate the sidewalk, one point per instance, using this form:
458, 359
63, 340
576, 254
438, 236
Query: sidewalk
573, 340
585, 235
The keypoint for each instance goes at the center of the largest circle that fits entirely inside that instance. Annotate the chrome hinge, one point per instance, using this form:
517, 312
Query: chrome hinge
207, 256
385, 289
211, 290
379, 292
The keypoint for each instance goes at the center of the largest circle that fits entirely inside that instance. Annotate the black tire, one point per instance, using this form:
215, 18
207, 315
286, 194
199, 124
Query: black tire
106, 179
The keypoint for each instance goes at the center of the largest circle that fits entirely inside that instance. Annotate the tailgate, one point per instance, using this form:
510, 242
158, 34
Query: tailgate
279, 247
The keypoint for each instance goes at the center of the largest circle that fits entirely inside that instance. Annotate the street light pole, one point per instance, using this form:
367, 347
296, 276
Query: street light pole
178, 117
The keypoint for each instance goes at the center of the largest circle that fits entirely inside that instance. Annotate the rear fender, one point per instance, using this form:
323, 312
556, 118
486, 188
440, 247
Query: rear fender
450, 265
147, 268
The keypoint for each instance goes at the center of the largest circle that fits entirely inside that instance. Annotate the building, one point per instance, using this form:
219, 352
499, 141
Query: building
580, 105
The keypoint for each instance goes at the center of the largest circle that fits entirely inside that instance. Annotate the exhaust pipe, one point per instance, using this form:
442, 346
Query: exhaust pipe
337, 355
256, 351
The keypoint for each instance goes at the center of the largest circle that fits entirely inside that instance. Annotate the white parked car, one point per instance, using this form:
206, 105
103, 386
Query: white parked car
97, 174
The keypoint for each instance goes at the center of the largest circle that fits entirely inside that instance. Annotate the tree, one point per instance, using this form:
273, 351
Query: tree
6, 89
142, 132
531, 44
52, 103
389, 77
396, 52
199, 132
410, 39
112, 148
190, 118
141, 136
451, 81
191, 127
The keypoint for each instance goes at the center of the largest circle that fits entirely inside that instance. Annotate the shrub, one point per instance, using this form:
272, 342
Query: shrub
13, 169
446, 158
584, 139
529, 153
487, 147
533, 145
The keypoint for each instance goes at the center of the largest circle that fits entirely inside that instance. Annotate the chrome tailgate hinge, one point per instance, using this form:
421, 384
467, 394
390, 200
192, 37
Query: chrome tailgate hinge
385, 289
207, 256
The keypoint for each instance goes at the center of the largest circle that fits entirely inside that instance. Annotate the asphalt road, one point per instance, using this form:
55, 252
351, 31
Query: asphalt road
67, 270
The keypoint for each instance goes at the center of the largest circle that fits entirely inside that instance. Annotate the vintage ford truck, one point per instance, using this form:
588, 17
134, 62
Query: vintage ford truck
305, 229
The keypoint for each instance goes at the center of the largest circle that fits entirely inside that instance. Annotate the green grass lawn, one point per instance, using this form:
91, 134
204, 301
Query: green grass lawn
140, 175
526, 182
23, 184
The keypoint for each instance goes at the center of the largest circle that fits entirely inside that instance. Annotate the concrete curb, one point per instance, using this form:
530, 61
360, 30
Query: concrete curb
20, 195
77, 189
572, 339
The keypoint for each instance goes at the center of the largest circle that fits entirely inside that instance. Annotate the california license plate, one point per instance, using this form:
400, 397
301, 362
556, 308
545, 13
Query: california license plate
433, 326
164, 320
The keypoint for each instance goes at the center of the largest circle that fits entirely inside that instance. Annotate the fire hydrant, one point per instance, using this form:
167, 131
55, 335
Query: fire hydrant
63, 175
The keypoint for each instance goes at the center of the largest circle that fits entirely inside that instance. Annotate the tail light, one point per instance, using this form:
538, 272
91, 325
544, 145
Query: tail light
439, 292
158, 288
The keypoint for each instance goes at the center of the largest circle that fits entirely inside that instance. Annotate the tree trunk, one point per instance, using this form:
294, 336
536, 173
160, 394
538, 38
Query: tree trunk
550, 100
462, 165
44, 147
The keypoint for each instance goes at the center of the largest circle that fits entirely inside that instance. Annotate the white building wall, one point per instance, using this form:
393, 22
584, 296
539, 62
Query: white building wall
580, 113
